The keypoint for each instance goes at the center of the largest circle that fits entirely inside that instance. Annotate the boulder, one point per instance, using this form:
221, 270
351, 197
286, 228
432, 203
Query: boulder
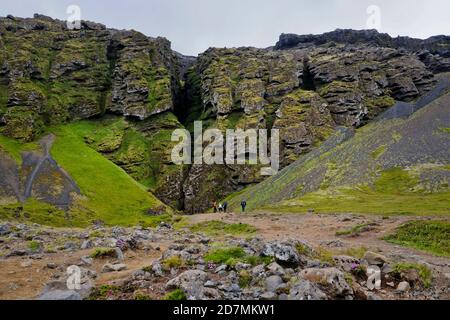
306, 290
331, 278
284, 253
376, 259
272, 283
191, 282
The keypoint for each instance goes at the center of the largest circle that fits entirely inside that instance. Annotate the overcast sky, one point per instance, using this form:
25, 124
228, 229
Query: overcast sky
194, 25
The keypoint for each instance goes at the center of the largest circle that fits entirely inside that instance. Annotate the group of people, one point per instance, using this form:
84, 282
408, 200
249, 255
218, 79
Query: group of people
222, 207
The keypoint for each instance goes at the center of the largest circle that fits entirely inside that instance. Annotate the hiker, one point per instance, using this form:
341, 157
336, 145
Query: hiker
220, 207
215, 206
243, 205
224, 206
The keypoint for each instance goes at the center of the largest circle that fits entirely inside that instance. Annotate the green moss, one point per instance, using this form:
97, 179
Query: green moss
445, 130
99, 253
378, 152
173, 262
38, 212
425, 274
224, 255
394, 181
177, 294
221, 228
431, 236
377, 104
245, 279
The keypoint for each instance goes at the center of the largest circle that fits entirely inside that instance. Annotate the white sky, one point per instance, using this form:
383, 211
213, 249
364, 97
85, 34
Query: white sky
195, 25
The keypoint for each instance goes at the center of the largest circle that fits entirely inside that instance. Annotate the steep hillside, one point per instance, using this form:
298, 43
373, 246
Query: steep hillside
393, 165
82, 185
137, 91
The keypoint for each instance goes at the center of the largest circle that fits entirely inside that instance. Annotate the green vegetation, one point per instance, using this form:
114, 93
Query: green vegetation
142, 296
323, 255
177, 294
233, 255
355, 230
217, 228
104, 292
431, 236
34, 246
108, 192
225, 255
173, 262
378, 152
425, 273
357, 252
395, 181
245, 278
365, 200
39, 212
99, 253
15, 148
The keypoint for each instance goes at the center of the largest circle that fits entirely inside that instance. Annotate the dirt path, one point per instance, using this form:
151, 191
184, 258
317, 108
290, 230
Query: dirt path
24, 278
320, 230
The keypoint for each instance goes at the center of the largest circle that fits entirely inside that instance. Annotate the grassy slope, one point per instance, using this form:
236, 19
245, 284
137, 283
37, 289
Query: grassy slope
365, 173
431, 236
108, 193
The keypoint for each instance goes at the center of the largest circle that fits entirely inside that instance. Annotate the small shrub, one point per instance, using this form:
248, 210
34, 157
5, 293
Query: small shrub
424, 273
141, 296
357, 252
34, 246
177, 294
244, 279
103, 252
323, 255
224, 255
173, 262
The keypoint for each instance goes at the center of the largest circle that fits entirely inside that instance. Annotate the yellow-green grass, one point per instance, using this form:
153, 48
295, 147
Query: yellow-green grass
108, 193
430, 236
365, 200
217, 228
15, 148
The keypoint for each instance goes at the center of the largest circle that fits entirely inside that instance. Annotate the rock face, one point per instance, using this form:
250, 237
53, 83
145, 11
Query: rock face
31, 179
306, 86
51, 75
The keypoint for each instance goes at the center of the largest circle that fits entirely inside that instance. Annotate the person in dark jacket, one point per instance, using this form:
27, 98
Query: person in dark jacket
224, 206
243, 205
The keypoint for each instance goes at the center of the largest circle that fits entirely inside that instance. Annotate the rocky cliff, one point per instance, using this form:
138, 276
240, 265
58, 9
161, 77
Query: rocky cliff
137, 91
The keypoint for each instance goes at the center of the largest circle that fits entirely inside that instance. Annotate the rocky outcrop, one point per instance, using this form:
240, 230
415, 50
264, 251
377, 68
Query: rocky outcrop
51, 75
305, 86
39, 177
